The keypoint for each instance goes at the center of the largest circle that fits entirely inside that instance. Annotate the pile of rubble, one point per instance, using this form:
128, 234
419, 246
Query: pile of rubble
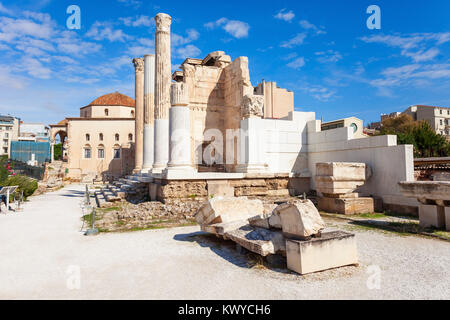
122, 216
293, 229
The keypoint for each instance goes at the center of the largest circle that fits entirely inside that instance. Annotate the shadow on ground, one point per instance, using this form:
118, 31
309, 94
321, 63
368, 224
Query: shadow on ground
227, 250
73, 193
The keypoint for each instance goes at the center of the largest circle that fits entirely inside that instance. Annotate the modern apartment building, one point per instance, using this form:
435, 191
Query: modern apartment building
9, 131
437, 117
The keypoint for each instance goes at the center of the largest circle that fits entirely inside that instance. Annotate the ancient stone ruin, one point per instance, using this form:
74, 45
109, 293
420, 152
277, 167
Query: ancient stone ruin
337, 182
293, 229
434, 201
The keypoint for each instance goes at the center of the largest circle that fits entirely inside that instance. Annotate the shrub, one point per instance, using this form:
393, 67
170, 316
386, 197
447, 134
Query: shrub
26, 184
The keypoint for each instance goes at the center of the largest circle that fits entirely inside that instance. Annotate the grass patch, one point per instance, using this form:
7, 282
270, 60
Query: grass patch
373, 215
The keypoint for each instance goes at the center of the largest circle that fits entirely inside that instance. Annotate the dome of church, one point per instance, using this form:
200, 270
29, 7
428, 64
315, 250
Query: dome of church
113, 99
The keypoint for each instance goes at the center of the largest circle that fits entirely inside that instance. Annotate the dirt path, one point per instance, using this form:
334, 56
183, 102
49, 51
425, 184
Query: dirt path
42, 253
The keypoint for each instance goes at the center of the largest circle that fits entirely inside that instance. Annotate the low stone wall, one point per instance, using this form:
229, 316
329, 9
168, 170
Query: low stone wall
163, 190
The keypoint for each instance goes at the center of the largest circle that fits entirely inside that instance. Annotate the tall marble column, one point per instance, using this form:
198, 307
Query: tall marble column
149, 110
180, 131
139, 112
162, 91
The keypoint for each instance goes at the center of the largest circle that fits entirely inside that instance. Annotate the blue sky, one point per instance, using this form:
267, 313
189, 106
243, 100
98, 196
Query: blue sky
321, 50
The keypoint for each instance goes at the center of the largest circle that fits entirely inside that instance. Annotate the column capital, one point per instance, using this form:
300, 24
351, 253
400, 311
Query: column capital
163, 22
138, 65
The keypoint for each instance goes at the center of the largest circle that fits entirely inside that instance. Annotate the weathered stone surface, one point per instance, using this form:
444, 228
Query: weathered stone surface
252, 106
344, 170
447, 218
431, 216
340, 177
222, 228
182, 189
349, 205
300, 219
258, 240
218, 210
250, 191
331, 250
261, 221
220, 188
434, 190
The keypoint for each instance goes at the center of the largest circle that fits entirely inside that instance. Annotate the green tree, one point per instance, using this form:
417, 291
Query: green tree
426, 142
58, 151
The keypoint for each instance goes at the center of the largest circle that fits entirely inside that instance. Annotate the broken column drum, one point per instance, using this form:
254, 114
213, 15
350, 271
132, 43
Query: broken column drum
180, 128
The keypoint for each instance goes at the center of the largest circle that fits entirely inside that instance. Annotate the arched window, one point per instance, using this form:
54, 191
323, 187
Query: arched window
100, 137
116, 152
88, 137
87, 151
130, 137
101, 152
106, 112
132, 113
117, 137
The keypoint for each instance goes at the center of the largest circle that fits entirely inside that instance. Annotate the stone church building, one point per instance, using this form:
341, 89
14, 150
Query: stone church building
99, 144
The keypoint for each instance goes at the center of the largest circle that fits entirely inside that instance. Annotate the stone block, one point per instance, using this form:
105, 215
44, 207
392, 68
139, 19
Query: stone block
227, 209
340, 177
299, 219
222, 228
261, 241
431, 216
331, 250
447, 218
346, 205
329, 185
343, 170
220, 188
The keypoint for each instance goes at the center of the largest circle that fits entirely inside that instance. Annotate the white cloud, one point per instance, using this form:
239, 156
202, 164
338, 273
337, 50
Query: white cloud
414, 46
35, 68
70, 43
320, 93
286, 16
189, 51
178, 40
104, 30
328, 56
295, 41
423, 55
297, 63
5, 10
11, 29
138, 21
236, 28
131, 3
305, 24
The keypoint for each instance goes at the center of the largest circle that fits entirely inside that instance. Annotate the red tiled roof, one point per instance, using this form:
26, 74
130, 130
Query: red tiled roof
113, 99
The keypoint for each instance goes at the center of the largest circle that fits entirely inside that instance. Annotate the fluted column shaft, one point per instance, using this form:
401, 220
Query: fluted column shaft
163, 72
139, 112
149, 110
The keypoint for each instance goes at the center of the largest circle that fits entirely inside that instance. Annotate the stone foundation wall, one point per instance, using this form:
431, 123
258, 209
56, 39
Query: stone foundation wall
163, 190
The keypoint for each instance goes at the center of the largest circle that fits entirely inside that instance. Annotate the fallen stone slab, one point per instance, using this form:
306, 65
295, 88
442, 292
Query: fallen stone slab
330, 250
258, 240
299, 219
221, 228
227, 209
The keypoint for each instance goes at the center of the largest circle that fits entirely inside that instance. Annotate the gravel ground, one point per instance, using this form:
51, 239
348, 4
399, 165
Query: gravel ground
43, 251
